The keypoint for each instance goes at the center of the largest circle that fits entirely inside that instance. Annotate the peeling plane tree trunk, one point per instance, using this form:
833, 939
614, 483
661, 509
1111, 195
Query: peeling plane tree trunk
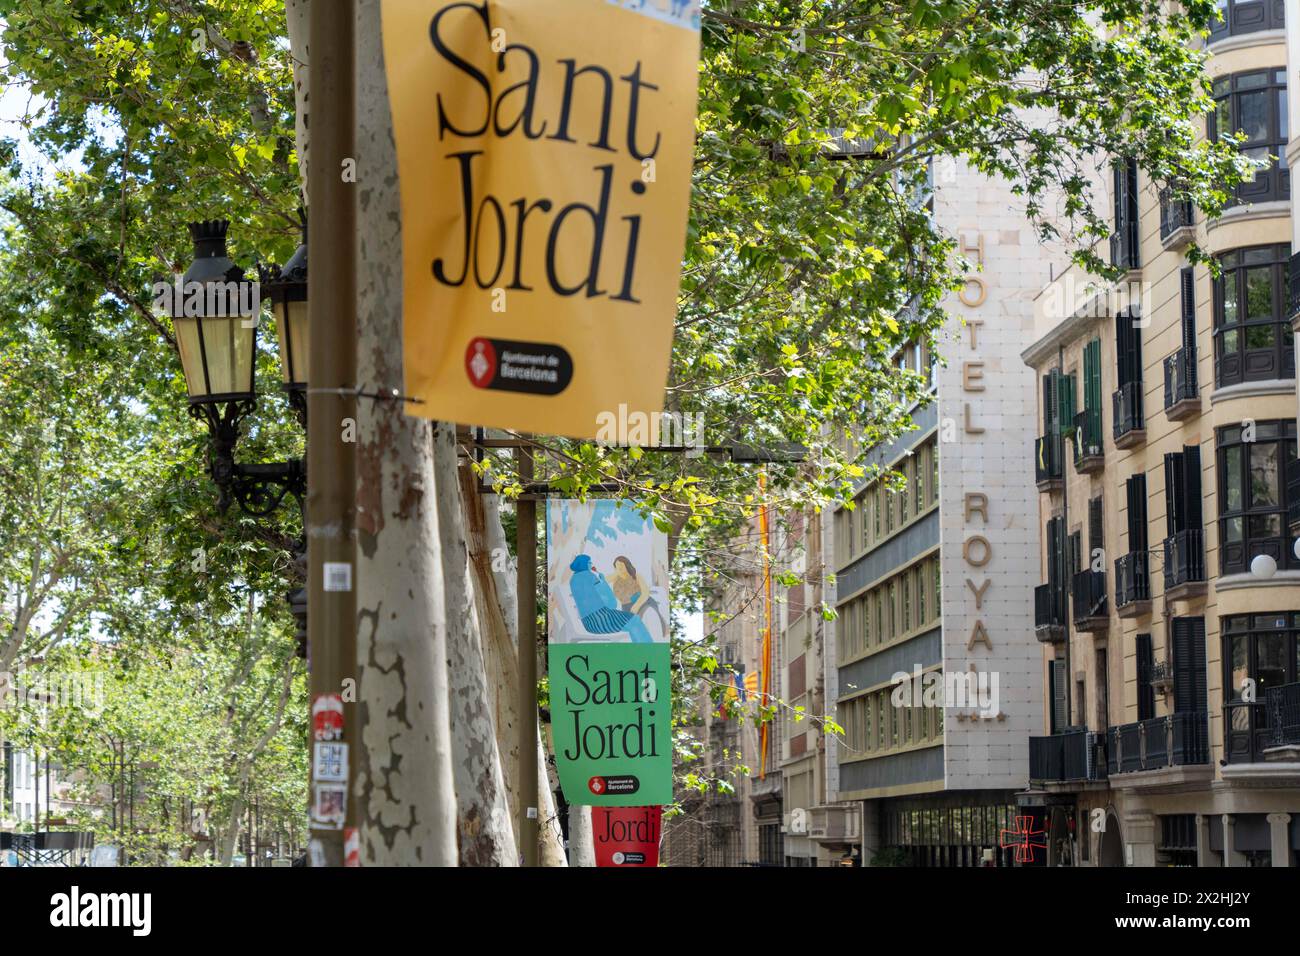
495, 604
496, 630
483, 816
582, 843
406, 803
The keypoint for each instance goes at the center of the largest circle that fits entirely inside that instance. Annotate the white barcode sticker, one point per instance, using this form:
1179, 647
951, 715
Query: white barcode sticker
338, 576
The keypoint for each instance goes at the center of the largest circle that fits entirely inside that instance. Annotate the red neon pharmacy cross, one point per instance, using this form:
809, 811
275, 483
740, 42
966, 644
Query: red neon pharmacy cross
1025, 839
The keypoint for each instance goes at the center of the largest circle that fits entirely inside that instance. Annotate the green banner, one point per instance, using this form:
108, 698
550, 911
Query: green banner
612, 723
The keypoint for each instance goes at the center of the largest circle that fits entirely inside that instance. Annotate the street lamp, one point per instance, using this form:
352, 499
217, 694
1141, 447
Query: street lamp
286, 287
215, 314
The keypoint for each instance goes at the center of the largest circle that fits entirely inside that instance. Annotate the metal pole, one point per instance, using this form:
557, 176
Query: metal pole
331, 590
526, 540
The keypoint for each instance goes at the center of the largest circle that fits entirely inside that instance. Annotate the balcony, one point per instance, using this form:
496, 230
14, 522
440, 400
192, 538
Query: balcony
1178, 740
1124, 249
1076, 755
1256, 731
1293, 496
1089, 454
1177, 221
1132, 584
1049, 616
1130, 423
1182, 392
1185, 564
1089, 604
1047, 463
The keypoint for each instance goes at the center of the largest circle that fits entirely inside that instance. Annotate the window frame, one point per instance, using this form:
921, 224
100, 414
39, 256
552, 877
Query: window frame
1243, 363
1235, 554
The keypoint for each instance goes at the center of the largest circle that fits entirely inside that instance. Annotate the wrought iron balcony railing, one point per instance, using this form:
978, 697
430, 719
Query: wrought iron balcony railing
1048, 612
1180, 377
1178, 740
1174, 215
1184, 558
1132, 579
1087, 436
1047, 459
1293, 495
1124, 247
1089, 604
1128, 413
1073, 755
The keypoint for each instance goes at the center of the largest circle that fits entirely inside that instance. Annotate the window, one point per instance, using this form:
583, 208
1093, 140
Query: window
1146, 690
921, 573
1263, 647
1190, 695
1124, 241
907, 602
1253, 494
934, 481
1184, 559
921, 468
1254, 103
1246, 16
909, 467
1252, 341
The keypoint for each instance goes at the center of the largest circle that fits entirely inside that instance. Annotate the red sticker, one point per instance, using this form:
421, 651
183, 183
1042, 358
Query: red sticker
327, 717
596, 785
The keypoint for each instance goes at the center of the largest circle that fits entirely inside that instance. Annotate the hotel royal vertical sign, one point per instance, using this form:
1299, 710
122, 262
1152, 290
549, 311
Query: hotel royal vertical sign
544, 155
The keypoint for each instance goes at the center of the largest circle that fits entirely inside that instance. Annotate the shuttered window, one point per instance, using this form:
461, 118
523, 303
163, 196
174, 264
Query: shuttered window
1128, 348
1059, 690
1145, 664
1188, 287
1136, 489
1190, 694
1183, 490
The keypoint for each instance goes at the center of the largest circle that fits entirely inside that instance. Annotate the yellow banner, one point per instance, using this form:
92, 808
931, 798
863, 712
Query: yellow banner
544, 153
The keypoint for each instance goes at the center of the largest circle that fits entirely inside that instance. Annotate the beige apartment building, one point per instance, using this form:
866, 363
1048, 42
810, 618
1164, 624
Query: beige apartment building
1169, 602
780, 813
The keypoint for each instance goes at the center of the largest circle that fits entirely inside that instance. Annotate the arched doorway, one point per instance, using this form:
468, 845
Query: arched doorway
1111, 850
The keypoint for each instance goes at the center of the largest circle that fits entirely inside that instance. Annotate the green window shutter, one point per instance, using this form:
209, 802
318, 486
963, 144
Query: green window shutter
1065, 383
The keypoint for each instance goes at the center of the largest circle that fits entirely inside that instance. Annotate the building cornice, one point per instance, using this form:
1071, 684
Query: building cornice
1273, 209
1092, 312
1244, 41
1280, 579
1271, 386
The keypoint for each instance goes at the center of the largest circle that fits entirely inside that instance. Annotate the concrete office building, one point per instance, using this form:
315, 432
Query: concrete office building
936, 578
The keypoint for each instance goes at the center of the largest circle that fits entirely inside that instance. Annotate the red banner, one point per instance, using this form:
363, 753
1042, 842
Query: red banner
626, 836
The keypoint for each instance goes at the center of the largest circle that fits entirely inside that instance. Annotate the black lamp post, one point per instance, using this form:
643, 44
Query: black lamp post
215, 314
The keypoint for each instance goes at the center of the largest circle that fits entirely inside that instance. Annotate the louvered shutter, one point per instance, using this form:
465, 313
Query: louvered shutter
1190, 694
